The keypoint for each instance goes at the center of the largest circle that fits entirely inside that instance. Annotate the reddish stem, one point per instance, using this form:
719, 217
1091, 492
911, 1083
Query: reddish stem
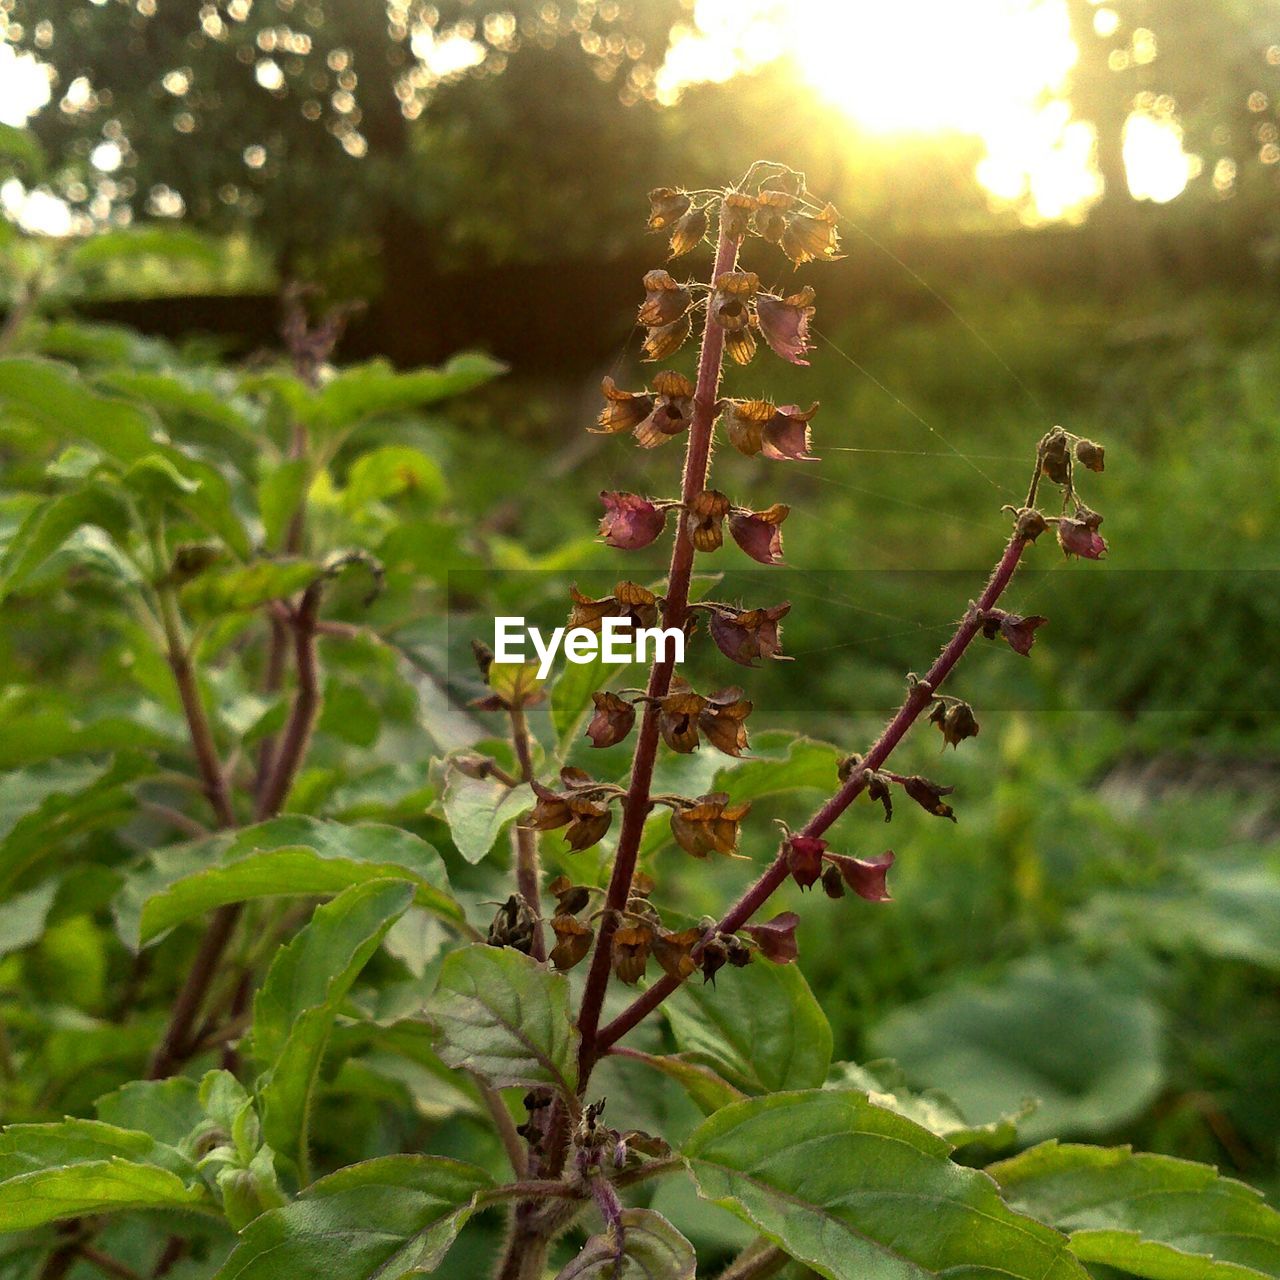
636, 805
776, 873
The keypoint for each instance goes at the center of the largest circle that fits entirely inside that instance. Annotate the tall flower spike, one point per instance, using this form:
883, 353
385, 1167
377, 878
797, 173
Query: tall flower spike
730, 308
784, 323
666, 299
812, 235
672, 410
623, 410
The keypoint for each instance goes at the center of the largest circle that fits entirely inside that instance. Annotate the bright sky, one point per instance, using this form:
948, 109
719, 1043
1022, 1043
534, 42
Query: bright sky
996, 70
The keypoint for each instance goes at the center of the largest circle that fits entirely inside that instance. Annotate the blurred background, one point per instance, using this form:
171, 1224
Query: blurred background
1052, 211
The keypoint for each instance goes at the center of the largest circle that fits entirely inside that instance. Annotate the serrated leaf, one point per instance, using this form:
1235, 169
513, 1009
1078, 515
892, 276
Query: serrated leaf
1148, 1215
391, 470
1089, 1053
505, 1017
478, 810
248, 586
287, 857
652, 1249
294, 1011
380, 1220
779, 763
168, 1110
760, 1028
51, 1172
885, 1084
857, 1191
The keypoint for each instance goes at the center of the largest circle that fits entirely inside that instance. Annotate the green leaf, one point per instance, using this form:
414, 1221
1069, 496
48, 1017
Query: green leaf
780, 763
369, 390
760, 1028
49, 526
505, 1017
479, 809
281, 492
856, 1191
294, 1011
179, 394
170, 244
168, 1110
708, 1091
1050, 1031
58, 400
389, 471
381, 1220
50, 1172
1148, 1215
287, 857
22, 917
885, 1084
249, 586
652, 1249
20, 145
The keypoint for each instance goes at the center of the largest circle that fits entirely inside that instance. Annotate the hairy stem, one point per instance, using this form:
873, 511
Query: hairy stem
636, 805
505, 1126
758, 1260
528, 867
776, 874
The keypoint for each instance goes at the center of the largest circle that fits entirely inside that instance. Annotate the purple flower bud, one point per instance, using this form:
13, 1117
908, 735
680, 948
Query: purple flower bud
629, 521
759, 533
804, 859
1080, 537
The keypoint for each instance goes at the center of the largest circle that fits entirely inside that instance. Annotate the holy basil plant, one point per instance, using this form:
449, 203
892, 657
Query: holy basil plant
310, 970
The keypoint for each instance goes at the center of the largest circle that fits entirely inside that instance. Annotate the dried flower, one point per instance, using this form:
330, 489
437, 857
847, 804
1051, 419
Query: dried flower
573, 941
580, 808
730, 308
758, 426
865, 876
722, 720
1055, 456
1017, 630
784, 323
688, 232
666, 299
612, 721
747, 635
928, 795
955, 720
666, 205
623, 410
704, 519
713, 957
673, 952
671, 413
678, 717
665, 340
759, 533
514, 925
630, 521
770, 216
735, 214
632, 942
630, 600
1090, 454
708, 824
804, 859
1079, 536
776, 938
570, 898
878, 790
1029, 525
832, 882
812, 235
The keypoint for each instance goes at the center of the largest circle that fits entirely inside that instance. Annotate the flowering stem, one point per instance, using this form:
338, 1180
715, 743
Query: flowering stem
636, 805
775, 875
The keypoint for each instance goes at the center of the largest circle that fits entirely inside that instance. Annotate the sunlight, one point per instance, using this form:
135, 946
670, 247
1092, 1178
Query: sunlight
997, 70
24, 86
